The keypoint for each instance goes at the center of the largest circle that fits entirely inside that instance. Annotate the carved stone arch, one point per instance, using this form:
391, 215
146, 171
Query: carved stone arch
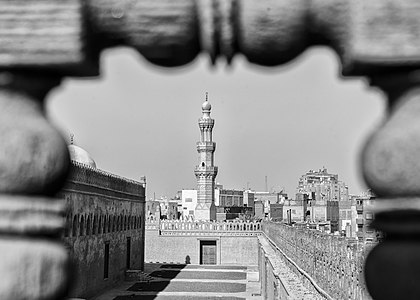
95, 225
110, 225
114, 223
88, 225
105, 224
75, 225
82, 226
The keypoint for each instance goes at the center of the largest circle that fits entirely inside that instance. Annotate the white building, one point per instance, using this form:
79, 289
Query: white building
189, 203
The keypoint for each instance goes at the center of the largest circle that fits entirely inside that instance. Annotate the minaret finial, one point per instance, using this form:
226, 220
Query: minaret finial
207, 96
71, 138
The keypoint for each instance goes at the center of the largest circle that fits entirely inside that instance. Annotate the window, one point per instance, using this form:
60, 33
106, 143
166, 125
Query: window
188, 199
106, 261
191, 212
369, 216
128, 253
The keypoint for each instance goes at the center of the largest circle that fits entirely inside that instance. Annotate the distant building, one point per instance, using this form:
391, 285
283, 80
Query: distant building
294, 210
348, 214
105, 224
228, 198
276, 212
249, 199
268, 198
153, 211
189, 203
365, 216
321, 185
259, 213
172, 211
322, 191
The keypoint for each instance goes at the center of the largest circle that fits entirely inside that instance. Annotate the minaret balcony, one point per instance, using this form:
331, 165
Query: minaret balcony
206, 146
206, 171
206, 122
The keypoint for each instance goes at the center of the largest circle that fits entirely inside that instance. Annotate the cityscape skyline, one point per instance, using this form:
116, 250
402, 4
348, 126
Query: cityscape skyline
143, 112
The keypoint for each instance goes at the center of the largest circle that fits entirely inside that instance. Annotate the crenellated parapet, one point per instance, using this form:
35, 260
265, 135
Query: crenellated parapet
209, 228
98, 180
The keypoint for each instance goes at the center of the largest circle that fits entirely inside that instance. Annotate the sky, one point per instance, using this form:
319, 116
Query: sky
137, 120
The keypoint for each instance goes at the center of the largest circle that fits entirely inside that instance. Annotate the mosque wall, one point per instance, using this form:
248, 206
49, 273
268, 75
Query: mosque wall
234, 249
105, 227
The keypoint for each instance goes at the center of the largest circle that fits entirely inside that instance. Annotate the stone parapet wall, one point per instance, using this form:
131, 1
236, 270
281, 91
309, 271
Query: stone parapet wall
335, 263
99, 180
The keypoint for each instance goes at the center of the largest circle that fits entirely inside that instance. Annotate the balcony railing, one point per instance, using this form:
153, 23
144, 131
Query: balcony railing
177, 227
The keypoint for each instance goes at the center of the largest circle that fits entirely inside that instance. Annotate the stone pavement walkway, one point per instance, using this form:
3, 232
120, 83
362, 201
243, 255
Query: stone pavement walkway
199, 282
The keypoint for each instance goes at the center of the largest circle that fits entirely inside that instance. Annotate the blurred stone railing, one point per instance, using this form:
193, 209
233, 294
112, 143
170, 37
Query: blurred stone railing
43, 42
335, 263
178, 227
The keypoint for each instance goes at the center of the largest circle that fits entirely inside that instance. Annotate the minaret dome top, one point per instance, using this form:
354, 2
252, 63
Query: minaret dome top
206, 105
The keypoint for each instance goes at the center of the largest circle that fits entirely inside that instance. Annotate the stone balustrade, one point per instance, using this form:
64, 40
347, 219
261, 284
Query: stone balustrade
44, 41
221, 228
335, 263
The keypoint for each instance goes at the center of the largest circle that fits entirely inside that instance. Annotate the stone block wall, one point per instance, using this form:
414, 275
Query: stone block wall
102, 209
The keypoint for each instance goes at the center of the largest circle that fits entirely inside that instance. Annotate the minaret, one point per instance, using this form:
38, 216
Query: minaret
206, 171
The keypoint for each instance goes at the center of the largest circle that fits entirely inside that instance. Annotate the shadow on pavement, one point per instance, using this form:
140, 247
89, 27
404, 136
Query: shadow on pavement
152, 297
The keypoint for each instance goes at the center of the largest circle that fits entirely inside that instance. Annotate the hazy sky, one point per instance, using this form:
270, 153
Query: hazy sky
137, 119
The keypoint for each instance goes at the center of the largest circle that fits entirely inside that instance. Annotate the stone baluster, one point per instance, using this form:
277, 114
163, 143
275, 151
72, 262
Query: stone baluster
392, 169
33, 166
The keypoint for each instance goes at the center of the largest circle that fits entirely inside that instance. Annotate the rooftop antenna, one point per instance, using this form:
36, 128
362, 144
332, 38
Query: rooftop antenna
71, 138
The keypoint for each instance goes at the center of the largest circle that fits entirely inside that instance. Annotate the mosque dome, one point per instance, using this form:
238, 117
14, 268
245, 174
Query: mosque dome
206, 105
80, 155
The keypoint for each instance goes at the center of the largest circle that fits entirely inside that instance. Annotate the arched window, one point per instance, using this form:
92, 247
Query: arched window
82, 226
114, 223
105, 224
129, 223
139, 221
100, 225
75, 225
203, 164
88, 225
125, 223
95, 225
